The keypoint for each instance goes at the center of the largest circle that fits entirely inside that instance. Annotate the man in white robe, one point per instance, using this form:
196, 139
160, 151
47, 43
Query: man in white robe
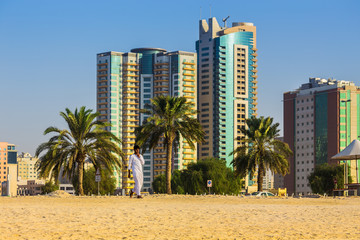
136, 163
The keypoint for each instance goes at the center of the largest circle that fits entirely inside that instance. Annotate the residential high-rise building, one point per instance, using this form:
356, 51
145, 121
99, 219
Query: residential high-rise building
27, 167
126, 82
226, 84
8, 162
321, 118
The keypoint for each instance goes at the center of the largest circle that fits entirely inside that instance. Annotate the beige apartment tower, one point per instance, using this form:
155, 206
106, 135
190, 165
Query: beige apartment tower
125, 84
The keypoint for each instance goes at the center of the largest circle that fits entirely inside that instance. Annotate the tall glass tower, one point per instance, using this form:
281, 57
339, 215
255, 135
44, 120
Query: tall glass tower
227, 81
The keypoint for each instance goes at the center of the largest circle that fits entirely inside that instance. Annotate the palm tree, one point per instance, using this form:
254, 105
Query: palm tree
261, 150
170, 118
86, 138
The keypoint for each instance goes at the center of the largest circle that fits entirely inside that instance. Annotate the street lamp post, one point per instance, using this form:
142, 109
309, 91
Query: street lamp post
346, 137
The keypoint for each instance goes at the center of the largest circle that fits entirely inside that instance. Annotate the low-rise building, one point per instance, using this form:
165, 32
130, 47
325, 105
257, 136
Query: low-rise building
69, 188
30, 187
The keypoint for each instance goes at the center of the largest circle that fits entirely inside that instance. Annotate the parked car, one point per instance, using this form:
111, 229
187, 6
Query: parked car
263, 194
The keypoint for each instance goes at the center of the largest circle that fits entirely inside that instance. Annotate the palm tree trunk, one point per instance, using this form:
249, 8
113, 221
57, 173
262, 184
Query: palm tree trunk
81, 177
260, 178
168, 166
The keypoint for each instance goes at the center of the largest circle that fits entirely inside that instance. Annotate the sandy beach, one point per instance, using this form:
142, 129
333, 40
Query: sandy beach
179, 217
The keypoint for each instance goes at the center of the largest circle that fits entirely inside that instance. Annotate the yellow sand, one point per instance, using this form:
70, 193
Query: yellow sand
178, 217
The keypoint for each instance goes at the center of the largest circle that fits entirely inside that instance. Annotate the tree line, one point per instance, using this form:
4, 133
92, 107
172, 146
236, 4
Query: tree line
169, 119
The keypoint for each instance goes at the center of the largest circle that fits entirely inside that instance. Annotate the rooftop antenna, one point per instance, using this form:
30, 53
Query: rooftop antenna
224, 20
210, 10
200, 13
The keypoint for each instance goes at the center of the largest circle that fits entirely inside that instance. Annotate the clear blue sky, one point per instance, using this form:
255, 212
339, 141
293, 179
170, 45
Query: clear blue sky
48, 50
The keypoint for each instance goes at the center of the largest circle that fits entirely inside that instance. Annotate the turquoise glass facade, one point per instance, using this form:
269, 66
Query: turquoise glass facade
224, 89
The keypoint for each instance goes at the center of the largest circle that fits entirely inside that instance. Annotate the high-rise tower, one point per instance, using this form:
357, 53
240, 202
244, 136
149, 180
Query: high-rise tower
126, 82
226, 84
321, 118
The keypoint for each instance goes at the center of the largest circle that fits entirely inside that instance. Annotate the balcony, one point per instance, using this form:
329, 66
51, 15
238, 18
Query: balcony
189, 152
159, 64
189, 74
161, 69
130, 125
189, 80
131, 81
131, 114
161, 80
188, 69
161, 75
130, 75
130, 97
131, 69
160, 164
161, 86
190, 97
189, 63
131, 64
130, 92
189, 91
160, 92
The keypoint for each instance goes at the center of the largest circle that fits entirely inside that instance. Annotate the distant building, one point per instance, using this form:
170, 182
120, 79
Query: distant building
8, 168
320, 119
268, 180
27, 167
30, 187
125, 84
69, 188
